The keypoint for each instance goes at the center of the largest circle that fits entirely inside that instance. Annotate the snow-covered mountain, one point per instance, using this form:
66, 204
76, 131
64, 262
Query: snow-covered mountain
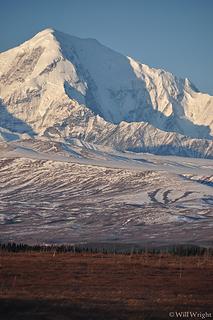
64, 87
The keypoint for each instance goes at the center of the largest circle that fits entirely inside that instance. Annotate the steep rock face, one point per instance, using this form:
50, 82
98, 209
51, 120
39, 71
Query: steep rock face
59, 85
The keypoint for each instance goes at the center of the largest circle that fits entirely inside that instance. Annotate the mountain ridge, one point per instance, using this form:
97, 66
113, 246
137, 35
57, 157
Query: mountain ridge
51, 79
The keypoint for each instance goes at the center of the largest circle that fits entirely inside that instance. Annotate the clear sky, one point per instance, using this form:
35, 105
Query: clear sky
176, 35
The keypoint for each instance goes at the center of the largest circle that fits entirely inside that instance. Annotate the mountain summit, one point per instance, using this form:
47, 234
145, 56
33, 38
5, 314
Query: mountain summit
64, 87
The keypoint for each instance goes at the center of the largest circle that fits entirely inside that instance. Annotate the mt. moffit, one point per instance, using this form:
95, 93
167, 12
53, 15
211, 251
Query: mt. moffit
63, 88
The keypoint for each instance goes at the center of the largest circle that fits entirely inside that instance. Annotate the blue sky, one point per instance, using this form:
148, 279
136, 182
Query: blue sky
176, 35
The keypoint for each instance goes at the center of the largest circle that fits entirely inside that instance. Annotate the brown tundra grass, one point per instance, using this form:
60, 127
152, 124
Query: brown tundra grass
61, 286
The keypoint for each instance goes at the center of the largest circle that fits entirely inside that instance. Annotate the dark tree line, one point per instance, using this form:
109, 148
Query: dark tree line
180, 250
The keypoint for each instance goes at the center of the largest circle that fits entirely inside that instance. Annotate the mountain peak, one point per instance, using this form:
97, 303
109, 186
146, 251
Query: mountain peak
45, 32
53, 78
40, 38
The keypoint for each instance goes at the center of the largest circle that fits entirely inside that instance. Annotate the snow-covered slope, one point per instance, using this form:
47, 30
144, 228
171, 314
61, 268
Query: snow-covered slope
135, 136
67, 193
62, 86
